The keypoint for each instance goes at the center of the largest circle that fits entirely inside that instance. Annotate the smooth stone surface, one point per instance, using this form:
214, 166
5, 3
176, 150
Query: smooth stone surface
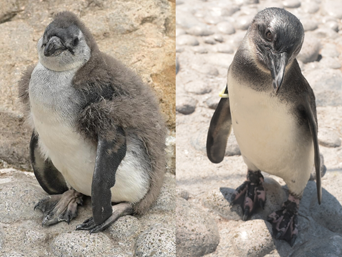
310, 49
309, 24
187, 40
212, 102
226, 28
248, 244
224, 48
332, 25
310, 7
219, 59
332, 63
243, 22
200, 49
199, 87
333, 8
218, 38
328, 138
197, 233
205, 69
210, 41
185, 104
325, 32
199, 31
159, 240
213, 20
291, 3
125, 228
330, 50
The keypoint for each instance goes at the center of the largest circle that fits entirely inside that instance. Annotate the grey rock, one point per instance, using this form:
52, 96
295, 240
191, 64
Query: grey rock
125, 228
199, 31
212, 102
199, 139
325, 33
291, 3
210, 41
185, 104
332, 63
180, 32
224, 48
184, 194
224, 11
310, 7
247, 244
245, 2
200, 49
333, 8
197, 233
185, 19
329, 98
310, 49
219, 59
330, 50
328, 138
309, 24
226, 28
166, 199
159, 240
243, 22
187, 40
218, 38
150, 219
332, 25
212, 19
205, 69
198, 87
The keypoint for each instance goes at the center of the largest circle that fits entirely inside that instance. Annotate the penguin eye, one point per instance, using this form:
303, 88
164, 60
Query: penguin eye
269, 35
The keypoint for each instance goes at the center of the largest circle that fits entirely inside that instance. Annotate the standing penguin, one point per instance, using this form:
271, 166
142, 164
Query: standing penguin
272, 109
97, 129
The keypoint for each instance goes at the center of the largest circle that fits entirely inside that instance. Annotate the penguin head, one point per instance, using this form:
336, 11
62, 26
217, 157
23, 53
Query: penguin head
66, 44
278, 37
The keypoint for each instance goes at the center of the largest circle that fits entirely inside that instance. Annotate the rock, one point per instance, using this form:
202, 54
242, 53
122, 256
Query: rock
210, 41
332, 63
310, 7
197, 233
213, 20
226, 28
333, 8
184, 194
219, 59
186, 104
186, 20
332, 25
187, 40
212, 102
218, 38
325, 33
328, 138
166, 199
309, 24
8, 9
247, 244
159, 240
180, 32
224, 48
125, 228
200, 49
291, 3
205, 69
310, 49
330, 50
243, 22
199, 87
199, 139
245, 2
199, 31
329, 98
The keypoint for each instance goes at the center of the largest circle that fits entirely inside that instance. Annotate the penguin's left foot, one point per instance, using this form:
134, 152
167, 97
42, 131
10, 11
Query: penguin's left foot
250, 194
119, 210
57, 208
285, 221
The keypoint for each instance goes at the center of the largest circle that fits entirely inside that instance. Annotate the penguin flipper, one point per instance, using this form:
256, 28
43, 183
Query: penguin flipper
219, 130
312, 122
110, 153
49, 178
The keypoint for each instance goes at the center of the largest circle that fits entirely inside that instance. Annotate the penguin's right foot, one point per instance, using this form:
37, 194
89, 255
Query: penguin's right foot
251, 194
57, 208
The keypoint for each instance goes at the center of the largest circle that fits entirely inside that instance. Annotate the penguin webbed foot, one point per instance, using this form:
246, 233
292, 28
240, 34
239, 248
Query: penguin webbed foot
251, 194
285, 222
119, 210
62, 207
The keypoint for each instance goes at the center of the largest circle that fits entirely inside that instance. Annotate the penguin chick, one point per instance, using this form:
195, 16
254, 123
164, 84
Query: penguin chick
97, 129
272, 110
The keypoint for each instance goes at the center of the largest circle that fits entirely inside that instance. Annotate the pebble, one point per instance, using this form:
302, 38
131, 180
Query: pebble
185, 104
291, 3
212, 19
226, 28
200, 49
309, 25
333, 8
185, 19
166, 199
197, 233
325, 32
330, 50
332, 25
328, 138
245, 2
199, 87
199, 31
210, 41
212, 102
329, 62
218, 38
310, 49
220, 59
243, 22
187, 40
205, 69
224, 48
310, 7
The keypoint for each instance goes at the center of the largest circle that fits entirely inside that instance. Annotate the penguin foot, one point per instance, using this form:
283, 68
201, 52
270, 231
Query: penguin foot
119, 210
285, 221
57, 208
251, 194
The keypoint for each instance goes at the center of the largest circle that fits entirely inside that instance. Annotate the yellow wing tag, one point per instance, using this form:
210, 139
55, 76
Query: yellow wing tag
222, 94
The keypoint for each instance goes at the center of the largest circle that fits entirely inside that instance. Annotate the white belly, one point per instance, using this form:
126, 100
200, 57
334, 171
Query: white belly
70, 152
268, 135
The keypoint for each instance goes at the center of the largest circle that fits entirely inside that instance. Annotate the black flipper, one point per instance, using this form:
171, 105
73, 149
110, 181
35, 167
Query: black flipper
50, 179
219, 130
109, 155
312, 121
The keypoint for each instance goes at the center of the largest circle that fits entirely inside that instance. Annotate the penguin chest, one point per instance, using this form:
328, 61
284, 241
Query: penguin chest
265, 129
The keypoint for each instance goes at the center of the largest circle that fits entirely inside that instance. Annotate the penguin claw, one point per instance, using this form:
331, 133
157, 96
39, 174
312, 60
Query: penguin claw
284, 222
57, 208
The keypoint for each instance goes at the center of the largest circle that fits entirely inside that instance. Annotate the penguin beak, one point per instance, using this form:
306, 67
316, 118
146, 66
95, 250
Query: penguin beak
277, 64
54, 47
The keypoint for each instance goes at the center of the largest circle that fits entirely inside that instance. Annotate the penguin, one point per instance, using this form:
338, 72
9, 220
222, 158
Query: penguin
97, 129
271, 107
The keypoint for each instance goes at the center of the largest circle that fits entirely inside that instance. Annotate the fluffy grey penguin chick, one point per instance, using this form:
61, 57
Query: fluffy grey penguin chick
97, 129
272, 110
